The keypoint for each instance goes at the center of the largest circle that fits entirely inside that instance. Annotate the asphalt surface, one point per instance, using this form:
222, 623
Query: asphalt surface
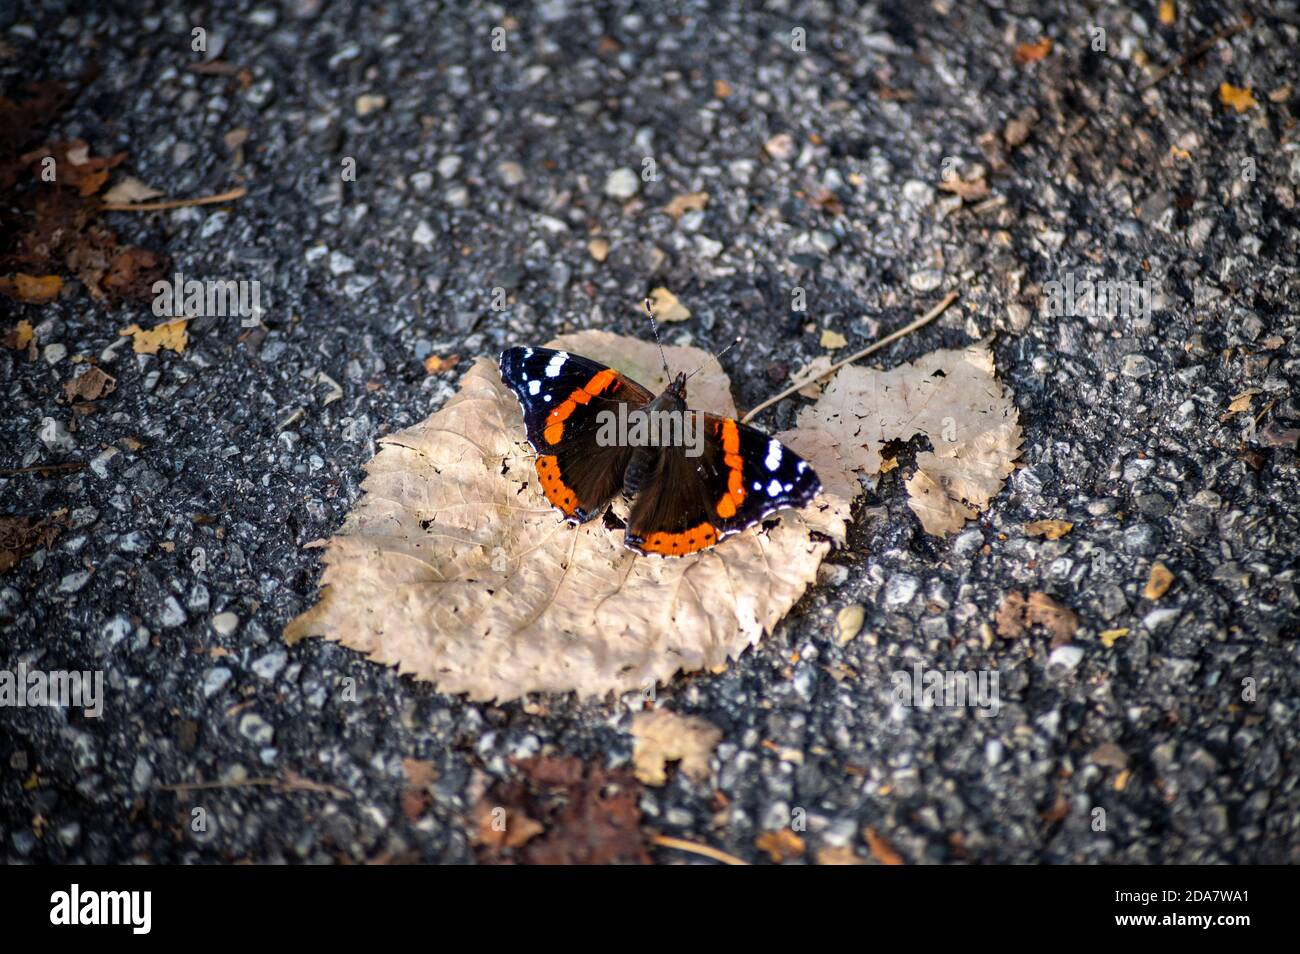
484, 169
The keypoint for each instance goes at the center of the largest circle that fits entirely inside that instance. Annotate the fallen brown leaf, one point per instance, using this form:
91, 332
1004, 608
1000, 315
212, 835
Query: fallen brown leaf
1236, 98
1033, 52
881, 849
667, 307
131, 189
20, 536
19, 336
686, 202
841, 855
780, 845
1048, 529
1018, 615
91, 385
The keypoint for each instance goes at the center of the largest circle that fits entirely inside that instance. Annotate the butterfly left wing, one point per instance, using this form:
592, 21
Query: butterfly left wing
742, 476
561, 395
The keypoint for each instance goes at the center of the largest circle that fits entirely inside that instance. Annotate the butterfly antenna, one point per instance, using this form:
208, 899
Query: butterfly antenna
649, 310
718, 355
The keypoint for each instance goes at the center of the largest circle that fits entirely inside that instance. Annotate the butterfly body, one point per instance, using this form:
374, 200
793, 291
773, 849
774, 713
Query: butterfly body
712, 478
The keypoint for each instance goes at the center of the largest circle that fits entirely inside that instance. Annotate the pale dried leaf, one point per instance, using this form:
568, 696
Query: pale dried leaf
667, 307
131, 189
952, 397
454, 568
661, 736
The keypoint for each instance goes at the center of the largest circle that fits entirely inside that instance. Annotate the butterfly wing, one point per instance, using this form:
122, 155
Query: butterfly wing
561, 395
687, 504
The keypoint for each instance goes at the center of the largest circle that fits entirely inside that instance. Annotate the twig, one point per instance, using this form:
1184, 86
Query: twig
293, 782
925, 319
682, 845
43, 468
1232, 29
173, 203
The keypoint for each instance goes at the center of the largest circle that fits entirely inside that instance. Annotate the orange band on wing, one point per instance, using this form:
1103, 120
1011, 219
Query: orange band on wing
557, 491
554, 430
735, 494
679, 544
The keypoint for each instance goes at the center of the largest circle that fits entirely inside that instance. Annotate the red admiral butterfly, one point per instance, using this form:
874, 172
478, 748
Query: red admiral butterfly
683, 502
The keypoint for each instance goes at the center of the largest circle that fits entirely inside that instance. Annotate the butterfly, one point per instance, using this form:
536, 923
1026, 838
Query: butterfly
717, 478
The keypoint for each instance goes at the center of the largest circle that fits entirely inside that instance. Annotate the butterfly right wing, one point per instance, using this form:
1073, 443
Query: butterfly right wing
561, 395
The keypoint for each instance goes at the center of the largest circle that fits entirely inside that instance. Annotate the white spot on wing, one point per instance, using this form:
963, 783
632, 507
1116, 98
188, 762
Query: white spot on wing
774, 488
534, 386
773, 460
803, 465
758, 485
554, 365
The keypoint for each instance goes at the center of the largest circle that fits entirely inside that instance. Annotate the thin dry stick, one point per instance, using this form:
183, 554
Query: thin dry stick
1232, 29
925, 319
173, 203
294, 783
682, 845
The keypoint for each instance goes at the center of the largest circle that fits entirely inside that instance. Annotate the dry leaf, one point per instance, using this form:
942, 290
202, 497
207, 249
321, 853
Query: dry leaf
92, 385
19, 336
950, 396
1049, 529
812, 373
455, 569
667, 307
1017, 615
131, 189
880, 849
1032, 52
832, 339
1158, 582
661, 736
1241, 402
848, 622
1109, 636
780, 845
74, 166
598, 248
841, 855
686, 202
170, 335
583, 815
971, 191
19, 536
721, 88
1236, 98
32, 289
1166, 12
435, 364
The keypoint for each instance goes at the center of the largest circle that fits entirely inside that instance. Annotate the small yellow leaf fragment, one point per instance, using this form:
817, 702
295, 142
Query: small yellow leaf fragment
780, 845
667, 307
1109, 636
1049, 529
32, 289
436, 364
848, 622
1158, 582
721, 88
1121, 780
1167, 12
839, 855
598, 248
1241, 402
1237, 98
170, 335
686, 202
833, 339
20, 336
